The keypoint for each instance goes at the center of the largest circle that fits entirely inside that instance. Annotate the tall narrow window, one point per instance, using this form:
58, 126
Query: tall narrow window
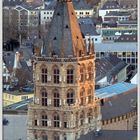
56, 137
82, 118
44, 75
56, 98
90, 95
56, 75
70, 97
44, 120
70, 75
82, 73
82, 96
44, 137
44, 97
89, 115
90, 71
56, 120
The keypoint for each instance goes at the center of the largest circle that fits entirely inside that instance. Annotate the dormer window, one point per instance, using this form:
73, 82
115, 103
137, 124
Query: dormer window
58, 14
67, 26
54, 38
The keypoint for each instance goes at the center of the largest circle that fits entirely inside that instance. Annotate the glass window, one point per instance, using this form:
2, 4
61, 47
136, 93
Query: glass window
82, 96
56, 75
89, 115
44, 137
44, 97
90, 95
56, 99
90, 71
56, 120
44, 120
82, 73
70, 97
44, 75
82, 118
70, 75
56, 137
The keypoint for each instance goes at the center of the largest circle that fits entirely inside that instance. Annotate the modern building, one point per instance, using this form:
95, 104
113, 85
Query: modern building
111, 34
64, 105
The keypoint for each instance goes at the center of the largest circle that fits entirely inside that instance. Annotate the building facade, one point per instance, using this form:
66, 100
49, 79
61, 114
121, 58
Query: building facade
64, 106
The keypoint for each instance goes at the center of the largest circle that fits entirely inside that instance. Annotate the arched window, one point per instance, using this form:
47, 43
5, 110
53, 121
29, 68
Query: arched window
56, 98
90, 71
82, 73
82, 96
90, 95
70, 97
82, 118
44, 137
44, 75
56, 120
56, 75
89, 115
44, 97
70, 75
44, 120
56, 137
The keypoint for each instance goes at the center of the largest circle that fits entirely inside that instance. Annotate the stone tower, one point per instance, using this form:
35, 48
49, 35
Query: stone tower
64, 104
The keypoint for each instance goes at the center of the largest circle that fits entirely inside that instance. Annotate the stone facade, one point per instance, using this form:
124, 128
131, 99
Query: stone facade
76, 118
64, 105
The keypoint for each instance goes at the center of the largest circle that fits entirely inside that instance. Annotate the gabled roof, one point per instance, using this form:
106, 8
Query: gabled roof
110, 5
118, 13
119, 105
110, 135
88, 29
64, 37
12, 3
114, 89
81, 5
108, 66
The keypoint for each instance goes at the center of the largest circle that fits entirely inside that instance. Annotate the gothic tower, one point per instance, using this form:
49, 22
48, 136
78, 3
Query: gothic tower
64, 105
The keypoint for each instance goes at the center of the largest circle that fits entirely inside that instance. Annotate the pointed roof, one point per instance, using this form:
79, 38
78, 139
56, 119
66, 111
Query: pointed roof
64, 33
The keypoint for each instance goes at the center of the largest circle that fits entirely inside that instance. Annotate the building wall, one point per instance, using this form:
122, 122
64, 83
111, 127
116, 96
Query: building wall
72, 111
9, 98
122, 75
102, 13
119, 123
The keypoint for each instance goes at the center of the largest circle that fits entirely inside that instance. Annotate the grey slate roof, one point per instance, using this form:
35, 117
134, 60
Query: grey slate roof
118, 13
119, 105
64, 35
12, 3
116, 47
108, 66
111, 135
110, 5
88, 29
81, 4
78, 5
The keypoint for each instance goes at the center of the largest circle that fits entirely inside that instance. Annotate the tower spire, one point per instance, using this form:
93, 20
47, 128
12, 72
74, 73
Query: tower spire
64, 26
